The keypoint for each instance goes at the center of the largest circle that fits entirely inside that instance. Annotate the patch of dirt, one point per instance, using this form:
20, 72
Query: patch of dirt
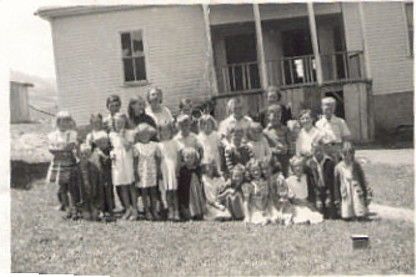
387, 212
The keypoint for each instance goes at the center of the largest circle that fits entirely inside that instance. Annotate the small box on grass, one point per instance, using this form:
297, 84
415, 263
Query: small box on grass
360, 241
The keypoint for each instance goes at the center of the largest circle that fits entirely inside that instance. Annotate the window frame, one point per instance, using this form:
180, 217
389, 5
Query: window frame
145, 52
410, 52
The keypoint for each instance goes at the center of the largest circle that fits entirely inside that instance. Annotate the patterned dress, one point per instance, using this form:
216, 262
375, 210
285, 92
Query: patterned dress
147, 166
354, 191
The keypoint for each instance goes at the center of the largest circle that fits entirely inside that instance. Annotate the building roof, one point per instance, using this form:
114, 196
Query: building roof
51, 12
25, 84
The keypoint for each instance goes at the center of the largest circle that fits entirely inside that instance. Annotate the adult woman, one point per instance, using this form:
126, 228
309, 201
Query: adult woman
307, 135
160, 113
137, 114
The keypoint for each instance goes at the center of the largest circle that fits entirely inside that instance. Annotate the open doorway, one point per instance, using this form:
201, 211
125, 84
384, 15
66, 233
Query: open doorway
298, 68
241, 55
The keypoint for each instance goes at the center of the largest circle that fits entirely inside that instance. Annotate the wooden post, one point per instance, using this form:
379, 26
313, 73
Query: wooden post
364, 41
260, 47
315, 46
210, 53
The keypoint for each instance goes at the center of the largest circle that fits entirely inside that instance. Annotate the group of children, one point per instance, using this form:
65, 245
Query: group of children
259, 175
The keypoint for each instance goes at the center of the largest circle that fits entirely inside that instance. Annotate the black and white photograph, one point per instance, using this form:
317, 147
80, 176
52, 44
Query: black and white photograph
202, 138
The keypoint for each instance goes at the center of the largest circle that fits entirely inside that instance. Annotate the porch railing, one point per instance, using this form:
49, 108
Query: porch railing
293, 71
240, 77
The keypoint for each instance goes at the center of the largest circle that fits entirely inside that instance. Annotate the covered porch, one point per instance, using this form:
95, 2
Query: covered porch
297, 47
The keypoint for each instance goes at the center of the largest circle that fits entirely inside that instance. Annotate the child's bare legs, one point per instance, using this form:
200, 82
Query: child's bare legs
153, 201
125, 196
247, 212
133, 196
63, 195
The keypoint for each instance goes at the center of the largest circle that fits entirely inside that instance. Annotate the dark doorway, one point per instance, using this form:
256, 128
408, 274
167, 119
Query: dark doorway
241, 55
299, 67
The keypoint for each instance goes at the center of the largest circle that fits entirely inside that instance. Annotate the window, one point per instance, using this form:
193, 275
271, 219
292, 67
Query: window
409, 22
133, 57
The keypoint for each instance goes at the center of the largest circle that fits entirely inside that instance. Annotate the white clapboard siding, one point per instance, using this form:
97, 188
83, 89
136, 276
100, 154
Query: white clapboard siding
386, 35
89, 64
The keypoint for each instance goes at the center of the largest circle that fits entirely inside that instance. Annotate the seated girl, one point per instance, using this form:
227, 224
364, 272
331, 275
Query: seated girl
256, 196
298, 194
280, 207
213, 184
232, 196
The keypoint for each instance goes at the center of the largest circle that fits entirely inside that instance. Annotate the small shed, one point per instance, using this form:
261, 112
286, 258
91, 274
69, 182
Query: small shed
19, 102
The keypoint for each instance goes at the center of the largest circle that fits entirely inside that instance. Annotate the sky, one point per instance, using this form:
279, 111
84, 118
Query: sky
29, 38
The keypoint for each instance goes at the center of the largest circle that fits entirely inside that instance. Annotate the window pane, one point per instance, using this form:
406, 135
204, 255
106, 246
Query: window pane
140, 68
128, 70
126, 44
137, 43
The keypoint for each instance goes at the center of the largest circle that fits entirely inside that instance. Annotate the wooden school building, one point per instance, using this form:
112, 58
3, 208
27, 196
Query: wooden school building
362, 54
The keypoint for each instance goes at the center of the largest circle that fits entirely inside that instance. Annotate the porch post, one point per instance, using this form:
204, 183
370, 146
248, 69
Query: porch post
315, 46
364, 40
260, 47
210, 53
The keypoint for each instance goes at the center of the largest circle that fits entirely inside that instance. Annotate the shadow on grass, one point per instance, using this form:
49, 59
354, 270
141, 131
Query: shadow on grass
23, 173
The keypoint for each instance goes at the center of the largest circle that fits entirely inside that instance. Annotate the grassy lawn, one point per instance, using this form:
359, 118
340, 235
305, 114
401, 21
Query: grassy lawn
43, 242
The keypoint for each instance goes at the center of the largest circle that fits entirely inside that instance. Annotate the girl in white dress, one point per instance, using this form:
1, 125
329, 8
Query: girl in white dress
214, 184
210, 140
147, 157
122, 164
298, 194
169, 167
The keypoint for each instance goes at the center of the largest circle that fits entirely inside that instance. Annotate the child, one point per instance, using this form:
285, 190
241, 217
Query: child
170, 163
99, 143
236, 152
190, 191
294, 129
298, 194
185, 137
186, 107
256, 196
320, 169
307, 135
113, 104
232, 196
213, 185
122, 171
353, 189
281, 211
258, 143
209, 140
147, 158
63, 169
278, 137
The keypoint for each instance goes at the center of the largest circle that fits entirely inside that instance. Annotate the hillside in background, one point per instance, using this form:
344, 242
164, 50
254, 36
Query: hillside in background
42, 96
